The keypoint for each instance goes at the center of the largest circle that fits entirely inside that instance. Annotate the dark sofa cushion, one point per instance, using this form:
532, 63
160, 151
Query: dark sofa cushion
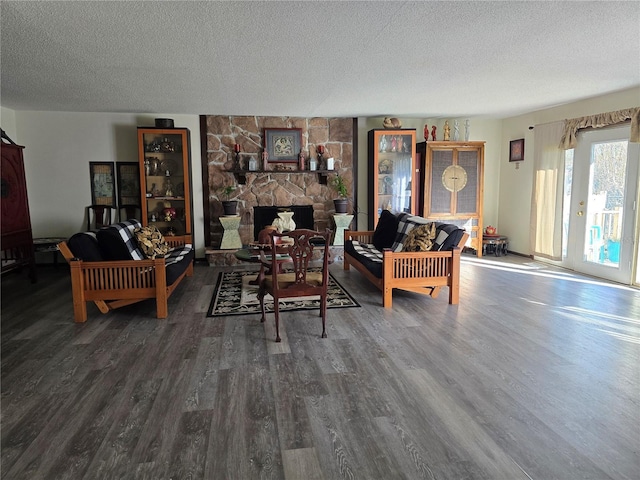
385, 232
177, 262
84, 246
447, 236
118, 242
366, 254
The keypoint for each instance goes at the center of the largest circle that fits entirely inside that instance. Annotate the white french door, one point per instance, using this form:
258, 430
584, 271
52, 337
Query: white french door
601, 188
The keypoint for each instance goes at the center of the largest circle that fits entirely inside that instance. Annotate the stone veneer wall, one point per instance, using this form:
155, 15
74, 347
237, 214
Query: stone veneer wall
268, 189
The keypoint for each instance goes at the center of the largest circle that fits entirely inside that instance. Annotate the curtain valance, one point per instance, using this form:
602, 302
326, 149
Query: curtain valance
600, 120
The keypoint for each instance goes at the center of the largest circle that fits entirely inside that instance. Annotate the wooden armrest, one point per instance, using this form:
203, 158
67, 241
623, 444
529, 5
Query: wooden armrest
360, 235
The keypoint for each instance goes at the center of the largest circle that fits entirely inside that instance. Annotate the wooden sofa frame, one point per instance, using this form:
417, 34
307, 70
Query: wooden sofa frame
421, 272
115, 283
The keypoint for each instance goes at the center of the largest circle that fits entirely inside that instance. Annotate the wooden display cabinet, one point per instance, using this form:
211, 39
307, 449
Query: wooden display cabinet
453, 186
164, 157
393, 172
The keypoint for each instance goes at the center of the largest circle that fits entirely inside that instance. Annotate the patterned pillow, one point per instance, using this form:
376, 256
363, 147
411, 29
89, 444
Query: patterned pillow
420, 239
151, 242
117, 241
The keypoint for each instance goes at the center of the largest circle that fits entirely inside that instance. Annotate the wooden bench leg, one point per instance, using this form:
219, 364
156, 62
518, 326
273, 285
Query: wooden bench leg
77, 288
387, 297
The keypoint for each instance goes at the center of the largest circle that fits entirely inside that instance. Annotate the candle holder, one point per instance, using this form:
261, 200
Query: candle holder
236, 149
320, 151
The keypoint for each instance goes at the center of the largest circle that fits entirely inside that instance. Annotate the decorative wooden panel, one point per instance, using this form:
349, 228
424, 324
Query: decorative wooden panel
461, 205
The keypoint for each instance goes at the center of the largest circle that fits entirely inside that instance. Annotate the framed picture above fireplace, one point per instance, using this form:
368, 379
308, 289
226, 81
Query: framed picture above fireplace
282, 144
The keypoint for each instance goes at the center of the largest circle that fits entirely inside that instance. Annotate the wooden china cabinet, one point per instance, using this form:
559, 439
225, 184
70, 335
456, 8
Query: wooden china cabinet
393, 172
453, 186
164, 156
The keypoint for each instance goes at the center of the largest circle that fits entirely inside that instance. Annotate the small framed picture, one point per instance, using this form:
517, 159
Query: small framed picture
516, 150
128, 183
282, 144
103, 190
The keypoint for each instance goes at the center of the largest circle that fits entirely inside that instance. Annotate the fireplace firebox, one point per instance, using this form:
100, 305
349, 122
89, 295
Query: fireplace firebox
263, 216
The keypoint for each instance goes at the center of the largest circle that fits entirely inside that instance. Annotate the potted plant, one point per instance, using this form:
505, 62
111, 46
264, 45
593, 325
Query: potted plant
230, 207
340, 203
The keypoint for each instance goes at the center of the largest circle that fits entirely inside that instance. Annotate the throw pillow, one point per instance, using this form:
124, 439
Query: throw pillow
420, 239
385, 232
151, 242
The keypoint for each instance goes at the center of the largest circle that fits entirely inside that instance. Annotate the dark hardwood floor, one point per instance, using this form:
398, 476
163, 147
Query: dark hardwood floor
534, 375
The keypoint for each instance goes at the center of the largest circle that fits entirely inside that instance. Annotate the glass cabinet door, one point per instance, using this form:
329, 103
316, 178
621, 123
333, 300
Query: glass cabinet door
164, 179
392, 172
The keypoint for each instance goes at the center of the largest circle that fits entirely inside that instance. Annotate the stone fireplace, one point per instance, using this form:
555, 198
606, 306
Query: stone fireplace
281, 184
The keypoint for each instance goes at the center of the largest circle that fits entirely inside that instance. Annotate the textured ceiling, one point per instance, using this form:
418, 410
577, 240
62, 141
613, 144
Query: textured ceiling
422, 59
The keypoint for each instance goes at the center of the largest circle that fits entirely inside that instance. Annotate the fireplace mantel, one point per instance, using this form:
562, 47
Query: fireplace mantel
241, 175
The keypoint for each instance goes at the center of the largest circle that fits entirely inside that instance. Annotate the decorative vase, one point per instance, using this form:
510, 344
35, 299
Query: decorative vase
284, 222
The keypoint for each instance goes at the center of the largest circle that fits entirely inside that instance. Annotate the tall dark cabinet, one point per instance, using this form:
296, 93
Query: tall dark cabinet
17, 239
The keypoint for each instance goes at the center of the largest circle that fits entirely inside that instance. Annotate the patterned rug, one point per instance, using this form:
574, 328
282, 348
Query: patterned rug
234, 295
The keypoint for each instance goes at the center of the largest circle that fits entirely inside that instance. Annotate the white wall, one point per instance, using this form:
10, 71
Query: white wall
516, 184
58, 149
8, 123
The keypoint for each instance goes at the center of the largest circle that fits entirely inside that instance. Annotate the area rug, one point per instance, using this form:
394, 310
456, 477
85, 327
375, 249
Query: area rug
234, 295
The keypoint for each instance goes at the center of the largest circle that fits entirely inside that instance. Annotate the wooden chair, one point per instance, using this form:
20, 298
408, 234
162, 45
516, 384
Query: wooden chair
99, 216
127, 212
301, 281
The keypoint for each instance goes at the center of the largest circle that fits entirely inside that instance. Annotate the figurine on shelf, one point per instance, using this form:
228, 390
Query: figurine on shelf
383, 143
426, 132
433, 133
447, 131
394, 144
456, 131
168, 188
467, 127
301, 160
253, 164
265, 159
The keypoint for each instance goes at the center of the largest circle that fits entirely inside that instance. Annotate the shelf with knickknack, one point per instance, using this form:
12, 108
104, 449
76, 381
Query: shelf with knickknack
164, 158
241, 175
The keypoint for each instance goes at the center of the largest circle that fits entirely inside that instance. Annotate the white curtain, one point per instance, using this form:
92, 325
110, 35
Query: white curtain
548, 190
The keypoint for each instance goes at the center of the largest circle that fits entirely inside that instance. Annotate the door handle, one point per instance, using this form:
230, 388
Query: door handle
580, 213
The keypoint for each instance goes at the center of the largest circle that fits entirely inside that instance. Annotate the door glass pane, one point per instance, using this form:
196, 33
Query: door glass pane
566, 203
606, 201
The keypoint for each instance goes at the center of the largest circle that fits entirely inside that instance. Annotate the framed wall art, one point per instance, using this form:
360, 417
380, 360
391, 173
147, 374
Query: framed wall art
282, 144
128, 183
103, 190
516, 150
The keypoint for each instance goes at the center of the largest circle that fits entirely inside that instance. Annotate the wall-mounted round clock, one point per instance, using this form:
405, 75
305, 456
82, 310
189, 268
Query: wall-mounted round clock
454, 178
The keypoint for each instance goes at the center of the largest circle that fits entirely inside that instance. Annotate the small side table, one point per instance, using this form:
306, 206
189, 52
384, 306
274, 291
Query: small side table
342, 222
230, 237
496, 244
46, 245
